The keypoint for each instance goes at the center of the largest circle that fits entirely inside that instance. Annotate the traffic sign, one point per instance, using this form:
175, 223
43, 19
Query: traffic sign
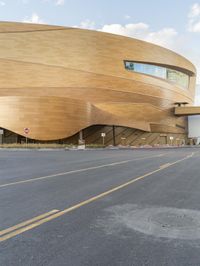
26, 130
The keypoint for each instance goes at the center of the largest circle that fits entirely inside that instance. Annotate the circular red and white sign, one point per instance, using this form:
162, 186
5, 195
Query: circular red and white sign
26, 130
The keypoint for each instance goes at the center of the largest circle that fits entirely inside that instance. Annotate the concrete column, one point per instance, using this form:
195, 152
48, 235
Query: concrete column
81, 141
81, 135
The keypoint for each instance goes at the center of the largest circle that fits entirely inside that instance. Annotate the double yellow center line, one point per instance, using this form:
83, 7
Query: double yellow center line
46, 217
22, 227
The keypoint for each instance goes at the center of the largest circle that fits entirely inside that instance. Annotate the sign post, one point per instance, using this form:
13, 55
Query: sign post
123, 141
103, 137
26, 131
171, 140
1, 136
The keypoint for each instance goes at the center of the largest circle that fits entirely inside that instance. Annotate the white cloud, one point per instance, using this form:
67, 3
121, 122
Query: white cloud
60, 2
195, 10
138, 30
164, 37
34, 19
194, 18
195, 27
2, 3
86, 24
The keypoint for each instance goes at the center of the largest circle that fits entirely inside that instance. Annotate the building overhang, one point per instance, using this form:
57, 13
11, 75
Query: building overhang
187, 110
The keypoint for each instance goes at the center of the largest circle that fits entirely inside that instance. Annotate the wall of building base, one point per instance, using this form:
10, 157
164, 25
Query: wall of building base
113, 135
129, 136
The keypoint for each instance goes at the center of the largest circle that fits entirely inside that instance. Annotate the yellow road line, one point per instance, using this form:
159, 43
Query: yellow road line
77, 171
60, 213
39, 217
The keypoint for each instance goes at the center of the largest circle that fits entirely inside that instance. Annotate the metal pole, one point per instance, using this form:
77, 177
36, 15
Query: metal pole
114, 141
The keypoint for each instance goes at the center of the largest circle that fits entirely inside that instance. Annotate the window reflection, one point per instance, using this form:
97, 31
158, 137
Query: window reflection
174, 76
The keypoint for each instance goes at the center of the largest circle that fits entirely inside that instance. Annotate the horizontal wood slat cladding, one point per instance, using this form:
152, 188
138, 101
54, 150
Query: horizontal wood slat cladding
58, 80
187, 110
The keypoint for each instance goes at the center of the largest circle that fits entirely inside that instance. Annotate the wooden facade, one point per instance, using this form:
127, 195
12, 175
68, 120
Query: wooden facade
57, 81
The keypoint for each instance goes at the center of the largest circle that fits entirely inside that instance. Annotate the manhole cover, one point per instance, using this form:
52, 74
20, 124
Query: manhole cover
174, 220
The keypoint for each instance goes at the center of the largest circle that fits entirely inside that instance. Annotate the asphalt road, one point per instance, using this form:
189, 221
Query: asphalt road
106, 207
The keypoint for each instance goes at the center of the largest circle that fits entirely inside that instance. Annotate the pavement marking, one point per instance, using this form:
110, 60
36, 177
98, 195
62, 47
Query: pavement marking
165, 165
77, 171
39, 217
22, 229
67, 210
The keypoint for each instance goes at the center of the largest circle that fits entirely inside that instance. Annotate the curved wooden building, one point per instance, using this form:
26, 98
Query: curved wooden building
57, 81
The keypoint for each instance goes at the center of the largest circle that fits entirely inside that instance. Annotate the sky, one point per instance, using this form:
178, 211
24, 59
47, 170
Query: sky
174, 24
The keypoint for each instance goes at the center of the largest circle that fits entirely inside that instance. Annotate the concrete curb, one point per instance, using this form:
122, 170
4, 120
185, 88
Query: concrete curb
96, 149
